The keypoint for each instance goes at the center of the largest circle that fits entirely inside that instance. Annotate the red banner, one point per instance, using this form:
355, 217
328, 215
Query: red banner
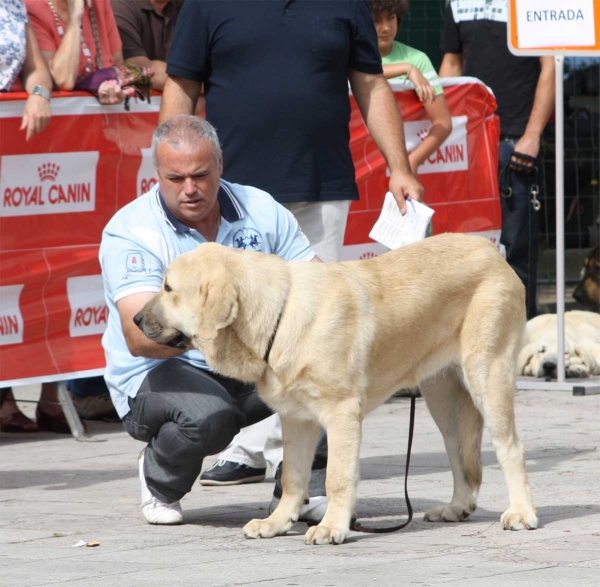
59, 190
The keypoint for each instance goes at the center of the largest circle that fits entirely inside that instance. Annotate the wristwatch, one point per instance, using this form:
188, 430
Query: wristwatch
41, 91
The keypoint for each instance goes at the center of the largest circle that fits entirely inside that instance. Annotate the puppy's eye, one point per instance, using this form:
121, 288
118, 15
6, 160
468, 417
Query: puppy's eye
542, 348
168, 287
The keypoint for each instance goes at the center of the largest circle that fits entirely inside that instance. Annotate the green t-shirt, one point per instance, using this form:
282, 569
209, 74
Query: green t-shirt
402, 53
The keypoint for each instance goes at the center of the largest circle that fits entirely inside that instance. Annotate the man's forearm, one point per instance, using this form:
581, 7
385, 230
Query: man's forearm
543, 103
179, 97
382, 117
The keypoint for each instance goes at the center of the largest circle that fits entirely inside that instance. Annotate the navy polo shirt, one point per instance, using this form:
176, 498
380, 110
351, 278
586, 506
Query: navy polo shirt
275, 75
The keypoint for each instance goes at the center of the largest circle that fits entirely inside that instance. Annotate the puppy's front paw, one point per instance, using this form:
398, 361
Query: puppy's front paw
322, 534
515, 520
267, 528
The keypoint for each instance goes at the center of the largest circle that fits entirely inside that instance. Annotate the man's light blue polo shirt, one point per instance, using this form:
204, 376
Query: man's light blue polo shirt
144, 237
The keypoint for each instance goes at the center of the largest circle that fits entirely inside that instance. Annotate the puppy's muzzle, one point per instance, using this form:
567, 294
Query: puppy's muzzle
178, 341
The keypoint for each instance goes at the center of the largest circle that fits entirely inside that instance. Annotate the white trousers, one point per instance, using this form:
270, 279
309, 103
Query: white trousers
324, 224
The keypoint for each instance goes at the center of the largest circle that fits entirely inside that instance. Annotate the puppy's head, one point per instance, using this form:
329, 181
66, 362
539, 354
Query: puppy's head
197, 300
541, 360
587, 291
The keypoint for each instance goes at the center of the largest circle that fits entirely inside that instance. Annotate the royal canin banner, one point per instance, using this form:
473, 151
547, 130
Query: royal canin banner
60, 189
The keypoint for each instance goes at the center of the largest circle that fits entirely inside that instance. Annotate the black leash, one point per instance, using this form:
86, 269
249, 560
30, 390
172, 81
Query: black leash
358, 527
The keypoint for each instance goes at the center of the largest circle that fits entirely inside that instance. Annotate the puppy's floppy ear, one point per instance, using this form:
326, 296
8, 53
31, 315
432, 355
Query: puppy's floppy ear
218, 307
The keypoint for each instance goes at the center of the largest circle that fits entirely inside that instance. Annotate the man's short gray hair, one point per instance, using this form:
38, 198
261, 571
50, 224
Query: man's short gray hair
185, 131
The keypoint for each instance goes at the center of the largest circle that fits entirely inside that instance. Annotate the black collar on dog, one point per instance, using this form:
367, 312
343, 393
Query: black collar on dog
272, 339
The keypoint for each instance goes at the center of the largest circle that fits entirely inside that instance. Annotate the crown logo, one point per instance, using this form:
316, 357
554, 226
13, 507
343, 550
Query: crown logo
48, 171
423, 134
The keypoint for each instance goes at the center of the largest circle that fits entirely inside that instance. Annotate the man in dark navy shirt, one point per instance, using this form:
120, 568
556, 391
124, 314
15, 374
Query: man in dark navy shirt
474, 41
275, 76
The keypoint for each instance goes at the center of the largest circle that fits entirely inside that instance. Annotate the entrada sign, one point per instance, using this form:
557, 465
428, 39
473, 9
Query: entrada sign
550, 27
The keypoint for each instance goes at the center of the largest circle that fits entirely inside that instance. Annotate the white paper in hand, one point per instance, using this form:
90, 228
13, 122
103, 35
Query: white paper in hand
394, 230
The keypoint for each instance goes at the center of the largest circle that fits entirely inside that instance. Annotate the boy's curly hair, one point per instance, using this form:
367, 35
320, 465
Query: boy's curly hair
397, 7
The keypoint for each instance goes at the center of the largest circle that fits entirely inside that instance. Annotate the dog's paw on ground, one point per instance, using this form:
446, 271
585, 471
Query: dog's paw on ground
515, 520
266, 528
453, 512
322, 534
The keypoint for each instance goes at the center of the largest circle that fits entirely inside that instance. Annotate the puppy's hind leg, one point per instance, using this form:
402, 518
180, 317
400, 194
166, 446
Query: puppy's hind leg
299, 443
461, 426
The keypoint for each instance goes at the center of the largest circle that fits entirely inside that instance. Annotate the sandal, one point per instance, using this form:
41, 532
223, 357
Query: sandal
18, 422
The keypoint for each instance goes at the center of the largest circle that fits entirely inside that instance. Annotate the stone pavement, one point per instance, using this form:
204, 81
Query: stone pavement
55, 491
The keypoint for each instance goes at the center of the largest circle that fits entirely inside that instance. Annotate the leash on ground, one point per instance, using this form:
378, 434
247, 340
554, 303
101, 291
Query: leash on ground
357, 526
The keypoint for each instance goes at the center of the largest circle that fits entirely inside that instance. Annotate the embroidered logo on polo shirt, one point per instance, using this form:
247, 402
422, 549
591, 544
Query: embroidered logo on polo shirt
135, 264
248, 238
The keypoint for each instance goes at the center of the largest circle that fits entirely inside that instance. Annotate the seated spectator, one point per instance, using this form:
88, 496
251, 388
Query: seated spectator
80, 42
20, 57
403, 62
146, 28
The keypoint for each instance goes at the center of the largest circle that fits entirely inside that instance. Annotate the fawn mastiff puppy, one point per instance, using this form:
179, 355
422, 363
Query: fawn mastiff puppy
447, 314
538, 357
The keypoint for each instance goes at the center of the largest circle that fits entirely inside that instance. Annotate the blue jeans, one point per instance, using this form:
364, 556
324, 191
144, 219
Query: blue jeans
520, 227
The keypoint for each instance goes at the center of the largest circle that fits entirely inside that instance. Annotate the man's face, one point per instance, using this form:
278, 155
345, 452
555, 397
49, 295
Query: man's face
189, 180
386, 25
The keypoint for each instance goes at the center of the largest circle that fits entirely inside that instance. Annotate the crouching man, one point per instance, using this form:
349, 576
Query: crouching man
168, 397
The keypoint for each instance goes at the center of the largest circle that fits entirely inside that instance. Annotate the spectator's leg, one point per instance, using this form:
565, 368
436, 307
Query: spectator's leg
11, 418
324, 224
520, 225
251, 445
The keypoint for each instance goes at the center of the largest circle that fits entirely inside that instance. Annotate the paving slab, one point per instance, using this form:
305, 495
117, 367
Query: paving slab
55, 491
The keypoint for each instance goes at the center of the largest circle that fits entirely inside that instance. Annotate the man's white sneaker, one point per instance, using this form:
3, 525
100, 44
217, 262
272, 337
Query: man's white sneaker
154, 510
158, 512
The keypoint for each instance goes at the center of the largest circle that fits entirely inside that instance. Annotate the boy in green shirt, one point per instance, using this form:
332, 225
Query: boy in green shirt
403, 62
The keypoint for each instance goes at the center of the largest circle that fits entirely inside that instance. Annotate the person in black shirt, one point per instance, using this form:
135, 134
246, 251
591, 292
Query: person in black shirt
275, 78
474, 41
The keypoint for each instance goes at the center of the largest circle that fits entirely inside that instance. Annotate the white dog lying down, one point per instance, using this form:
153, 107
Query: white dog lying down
447, 313
582, 345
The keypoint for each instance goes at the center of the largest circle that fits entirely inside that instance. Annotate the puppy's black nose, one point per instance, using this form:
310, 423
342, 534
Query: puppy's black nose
138, 319
549, 366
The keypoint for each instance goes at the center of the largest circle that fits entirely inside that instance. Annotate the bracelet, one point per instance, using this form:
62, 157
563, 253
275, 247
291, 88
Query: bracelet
409, 70
41, 91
